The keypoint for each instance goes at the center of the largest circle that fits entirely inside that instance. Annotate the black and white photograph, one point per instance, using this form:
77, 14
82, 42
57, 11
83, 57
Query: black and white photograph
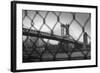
53, 36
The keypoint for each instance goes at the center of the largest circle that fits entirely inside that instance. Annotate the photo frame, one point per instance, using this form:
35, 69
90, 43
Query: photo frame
48, 36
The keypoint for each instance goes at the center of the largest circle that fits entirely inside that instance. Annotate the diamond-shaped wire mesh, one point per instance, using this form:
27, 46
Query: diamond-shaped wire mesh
55, 36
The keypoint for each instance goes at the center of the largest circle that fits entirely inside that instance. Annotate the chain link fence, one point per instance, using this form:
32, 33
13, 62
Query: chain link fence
56, 36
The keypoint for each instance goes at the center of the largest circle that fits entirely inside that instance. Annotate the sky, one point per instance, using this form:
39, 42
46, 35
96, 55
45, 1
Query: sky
51, 19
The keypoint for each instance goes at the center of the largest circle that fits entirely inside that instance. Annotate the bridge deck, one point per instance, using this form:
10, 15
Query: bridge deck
40, 34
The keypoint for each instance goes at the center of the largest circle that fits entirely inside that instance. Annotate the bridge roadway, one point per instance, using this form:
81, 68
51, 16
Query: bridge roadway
46, 35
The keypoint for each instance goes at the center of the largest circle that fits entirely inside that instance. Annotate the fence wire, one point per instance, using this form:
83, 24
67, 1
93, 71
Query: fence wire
55, 36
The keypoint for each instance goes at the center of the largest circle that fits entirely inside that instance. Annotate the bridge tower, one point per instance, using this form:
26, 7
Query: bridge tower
66, 35
66, 27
